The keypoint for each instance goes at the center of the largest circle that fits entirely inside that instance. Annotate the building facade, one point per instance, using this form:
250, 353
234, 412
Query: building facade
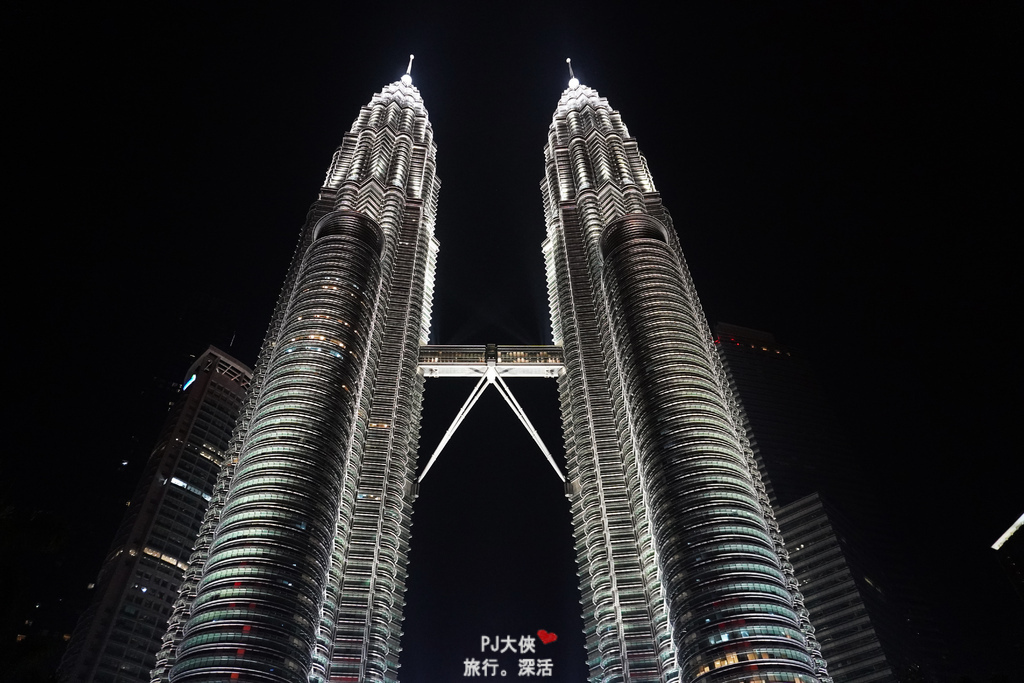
794, 435
809, 470
117, 638
848, 605
299, 569
683, 571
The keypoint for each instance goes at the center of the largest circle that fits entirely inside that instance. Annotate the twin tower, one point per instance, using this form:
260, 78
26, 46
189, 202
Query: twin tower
299, 571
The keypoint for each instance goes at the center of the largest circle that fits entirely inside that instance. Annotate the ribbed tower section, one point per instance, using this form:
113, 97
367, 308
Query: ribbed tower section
299, 570
683, 573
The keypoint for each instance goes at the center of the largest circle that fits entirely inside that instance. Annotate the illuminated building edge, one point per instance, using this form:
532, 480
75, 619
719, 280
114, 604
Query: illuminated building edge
334, 409
683, 571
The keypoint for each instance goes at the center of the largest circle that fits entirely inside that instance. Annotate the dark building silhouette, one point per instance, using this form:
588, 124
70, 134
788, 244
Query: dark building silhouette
847, 602
118, 636
793, 432
810, 472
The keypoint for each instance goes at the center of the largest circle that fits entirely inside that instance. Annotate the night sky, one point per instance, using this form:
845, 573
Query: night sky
844, 175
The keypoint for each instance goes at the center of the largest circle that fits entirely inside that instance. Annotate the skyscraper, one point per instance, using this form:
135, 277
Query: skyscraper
683, 570
847, 601
118, 636
299, 570
808, 468
795, 436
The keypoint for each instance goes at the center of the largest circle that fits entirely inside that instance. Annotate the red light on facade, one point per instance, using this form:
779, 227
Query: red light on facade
246, 628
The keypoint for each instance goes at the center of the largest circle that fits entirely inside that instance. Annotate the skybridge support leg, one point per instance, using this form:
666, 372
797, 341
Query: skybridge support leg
506, 393
490, 377
466, 407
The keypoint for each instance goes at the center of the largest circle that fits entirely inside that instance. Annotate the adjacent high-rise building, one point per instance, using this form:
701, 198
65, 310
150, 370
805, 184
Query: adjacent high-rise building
848, 602
117, 638
809, 471
298, 573
793, 432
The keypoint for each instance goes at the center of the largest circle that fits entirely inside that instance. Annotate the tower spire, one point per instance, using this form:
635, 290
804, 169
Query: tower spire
573, 81
407, 77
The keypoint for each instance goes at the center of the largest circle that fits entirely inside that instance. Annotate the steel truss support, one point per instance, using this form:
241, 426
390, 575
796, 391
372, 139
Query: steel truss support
491, 377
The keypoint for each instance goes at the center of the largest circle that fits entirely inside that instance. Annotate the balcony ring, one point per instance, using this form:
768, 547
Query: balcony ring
350, 224
631, 227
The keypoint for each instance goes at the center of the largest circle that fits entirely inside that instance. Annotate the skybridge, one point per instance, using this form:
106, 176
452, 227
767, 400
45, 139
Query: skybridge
491, 363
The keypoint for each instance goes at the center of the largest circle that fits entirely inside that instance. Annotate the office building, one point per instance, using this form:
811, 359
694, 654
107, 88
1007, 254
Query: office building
795, 436
810, 472
850, 607
299, 568
117, 638
682, 568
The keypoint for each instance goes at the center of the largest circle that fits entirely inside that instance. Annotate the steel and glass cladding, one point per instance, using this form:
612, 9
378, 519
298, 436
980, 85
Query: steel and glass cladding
118, 636
298, 573
683, 572
853, 621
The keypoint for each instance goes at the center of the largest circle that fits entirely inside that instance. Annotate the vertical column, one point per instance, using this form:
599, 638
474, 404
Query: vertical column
371, 593
626, 631
729, 604
259, 601
624, 608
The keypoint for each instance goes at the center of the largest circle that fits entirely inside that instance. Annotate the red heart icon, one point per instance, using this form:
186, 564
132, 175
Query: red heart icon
546, 637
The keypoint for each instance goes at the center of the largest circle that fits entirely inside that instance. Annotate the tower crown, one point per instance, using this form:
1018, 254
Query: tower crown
389, 147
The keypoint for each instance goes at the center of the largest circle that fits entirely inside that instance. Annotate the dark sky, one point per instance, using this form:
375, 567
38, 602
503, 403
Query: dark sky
845, 175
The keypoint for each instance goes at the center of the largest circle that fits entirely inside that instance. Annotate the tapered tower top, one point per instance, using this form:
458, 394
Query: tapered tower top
401, 91
577, 97
375, 151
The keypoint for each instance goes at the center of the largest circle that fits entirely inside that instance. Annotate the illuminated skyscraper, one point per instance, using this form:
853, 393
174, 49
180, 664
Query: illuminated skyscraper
299, 569
118, 636
683, 571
